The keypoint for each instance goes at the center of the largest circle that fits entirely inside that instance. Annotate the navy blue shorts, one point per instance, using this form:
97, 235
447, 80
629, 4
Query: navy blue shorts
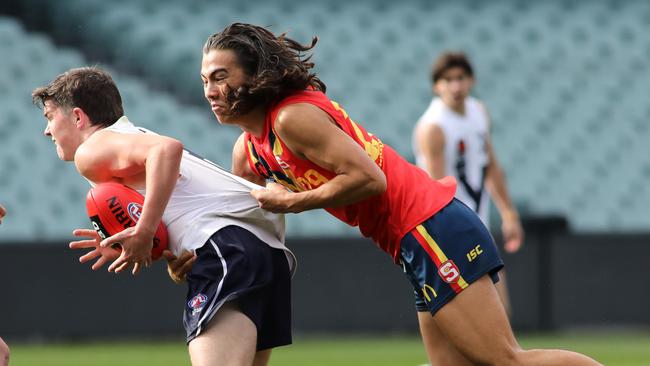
235, 265
446, 253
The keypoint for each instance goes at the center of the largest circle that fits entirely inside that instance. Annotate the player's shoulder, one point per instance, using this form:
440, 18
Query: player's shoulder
430, 132
476, 103
433, 113
91, 154
295, 114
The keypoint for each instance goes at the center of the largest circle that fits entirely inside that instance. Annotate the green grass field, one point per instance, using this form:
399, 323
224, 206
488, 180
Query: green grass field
615, 349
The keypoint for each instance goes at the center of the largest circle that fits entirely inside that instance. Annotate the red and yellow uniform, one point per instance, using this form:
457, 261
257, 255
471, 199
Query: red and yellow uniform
411, 196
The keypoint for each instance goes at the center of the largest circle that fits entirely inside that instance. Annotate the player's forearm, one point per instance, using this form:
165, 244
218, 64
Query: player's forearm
341, 190
498, 188
162, 169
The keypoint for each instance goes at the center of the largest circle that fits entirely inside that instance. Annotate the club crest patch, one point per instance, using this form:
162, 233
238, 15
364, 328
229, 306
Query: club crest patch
197, 303
134, 210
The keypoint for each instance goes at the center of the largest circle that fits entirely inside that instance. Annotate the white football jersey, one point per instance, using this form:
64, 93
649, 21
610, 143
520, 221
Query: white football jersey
207, 198
466, 154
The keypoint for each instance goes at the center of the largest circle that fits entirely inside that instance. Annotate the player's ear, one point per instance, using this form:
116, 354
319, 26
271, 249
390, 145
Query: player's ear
81, 118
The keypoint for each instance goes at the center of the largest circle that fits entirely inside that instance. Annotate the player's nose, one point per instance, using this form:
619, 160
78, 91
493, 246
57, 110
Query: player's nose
211, 91
46, 132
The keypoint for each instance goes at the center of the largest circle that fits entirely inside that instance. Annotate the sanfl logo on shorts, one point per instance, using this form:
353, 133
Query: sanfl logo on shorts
449, 272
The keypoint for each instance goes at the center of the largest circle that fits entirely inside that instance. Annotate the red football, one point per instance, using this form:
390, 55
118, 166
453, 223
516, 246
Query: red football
113, 207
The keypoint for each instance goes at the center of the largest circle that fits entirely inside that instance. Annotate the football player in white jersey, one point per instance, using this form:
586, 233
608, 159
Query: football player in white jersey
452, 137
238, 301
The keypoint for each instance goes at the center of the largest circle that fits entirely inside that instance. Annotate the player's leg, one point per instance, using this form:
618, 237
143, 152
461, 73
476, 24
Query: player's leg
4, 353
230, 339
441, 257
262, 358
502, 290
476, 324
438, 348
270, 307
234, 280
451, 259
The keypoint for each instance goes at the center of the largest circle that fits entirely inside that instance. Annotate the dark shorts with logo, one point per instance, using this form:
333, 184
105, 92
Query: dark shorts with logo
235, 265
446, 253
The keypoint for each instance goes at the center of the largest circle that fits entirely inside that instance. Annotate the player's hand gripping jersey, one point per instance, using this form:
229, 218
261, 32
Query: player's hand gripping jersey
411, 196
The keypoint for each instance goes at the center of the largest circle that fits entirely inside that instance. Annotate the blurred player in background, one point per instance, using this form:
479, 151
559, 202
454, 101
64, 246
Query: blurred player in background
319, 158
453, 138
4, 348
238, 300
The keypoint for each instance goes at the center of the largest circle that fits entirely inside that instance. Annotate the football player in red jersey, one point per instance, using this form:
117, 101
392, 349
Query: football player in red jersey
320, 158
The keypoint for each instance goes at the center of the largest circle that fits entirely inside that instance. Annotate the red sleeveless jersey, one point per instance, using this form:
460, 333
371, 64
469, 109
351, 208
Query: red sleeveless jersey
411, 196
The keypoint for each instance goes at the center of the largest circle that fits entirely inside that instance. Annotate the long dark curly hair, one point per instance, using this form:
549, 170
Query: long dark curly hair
276, 65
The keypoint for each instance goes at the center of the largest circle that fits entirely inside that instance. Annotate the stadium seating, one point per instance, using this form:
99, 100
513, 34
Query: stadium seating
565, 82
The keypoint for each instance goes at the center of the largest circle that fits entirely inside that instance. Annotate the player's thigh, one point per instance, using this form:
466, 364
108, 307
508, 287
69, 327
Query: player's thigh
439, 350
445, 254
476, 323
230, 338
502, 290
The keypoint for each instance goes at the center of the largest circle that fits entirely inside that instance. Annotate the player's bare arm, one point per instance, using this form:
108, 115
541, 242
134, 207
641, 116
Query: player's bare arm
431, 140
240, 165
310, 133
495, 182
148, 161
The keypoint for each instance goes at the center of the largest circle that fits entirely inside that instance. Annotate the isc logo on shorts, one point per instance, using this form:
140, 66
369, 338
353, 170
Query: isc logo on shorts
449, 272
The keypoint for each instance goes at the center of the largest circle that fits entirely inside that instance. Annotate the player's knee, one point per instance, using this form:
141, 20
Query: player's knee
511, 356
508, 356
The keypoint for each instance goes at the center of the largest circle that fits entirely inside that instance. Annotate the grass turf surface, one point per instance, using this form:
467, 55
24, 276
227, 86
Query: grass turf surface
615, 349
